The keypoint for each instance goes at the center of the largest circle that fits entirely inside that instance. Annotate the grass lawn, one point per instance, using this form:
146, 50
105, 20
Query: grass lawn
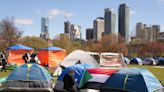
158, 72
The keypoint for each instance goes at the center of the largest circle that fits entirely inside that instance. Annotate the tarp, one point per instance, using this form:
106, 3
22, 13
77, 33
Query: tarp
136, 60
132, 79
78, 68
19, 47
16, 53
51, 56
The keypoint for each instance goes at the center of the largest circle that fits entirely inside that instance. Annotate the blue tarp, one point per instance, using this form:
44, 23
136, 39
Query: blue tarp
133, 79
52, 48
29, 71
19, 46
79, 70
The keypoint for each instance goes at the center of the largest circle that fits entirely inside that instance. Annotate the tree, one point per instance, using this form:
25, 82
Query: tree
65, 43
34, 42
9, 33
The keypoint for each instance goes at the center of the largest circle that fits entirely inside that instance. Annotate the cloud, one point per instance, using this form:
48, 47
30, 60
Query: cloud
132, 12
23, 21
58, 12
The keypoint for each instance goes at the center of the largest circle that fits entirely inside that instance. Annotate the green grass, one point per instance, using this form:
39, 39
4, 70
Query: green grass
158, 72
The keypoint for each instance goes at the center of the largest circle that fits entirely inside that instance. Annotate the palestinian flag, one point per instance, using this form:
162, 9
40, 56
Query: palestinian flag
100, 75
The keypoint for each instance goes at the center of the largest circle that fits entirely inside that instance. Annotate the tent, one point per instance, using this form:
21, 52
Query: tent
76, 57
127, 60
51, 56
28, 77
16, 53
132, 80
79, 57
79, 69
161, 61
136, 60
149, 61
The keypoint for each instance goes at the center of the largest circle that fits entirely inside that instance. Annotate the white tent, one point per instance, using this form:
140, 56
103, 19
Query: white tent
76, 57
79, 57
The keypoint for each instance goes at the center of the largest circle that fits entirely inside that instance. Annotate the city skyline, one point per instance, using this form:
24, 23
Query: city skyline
27, 15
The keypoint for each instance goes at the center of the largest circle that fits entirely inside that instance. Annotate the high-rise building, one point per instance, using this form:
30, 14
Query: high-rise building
72, 30
156, 31
149, 34
44, 28
123, 26
89, 33
98, 28
67, 27
109, 21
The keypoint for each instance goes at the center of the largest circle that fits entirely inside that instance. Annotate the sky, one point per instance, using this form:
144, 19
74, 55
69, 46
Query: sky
27, 13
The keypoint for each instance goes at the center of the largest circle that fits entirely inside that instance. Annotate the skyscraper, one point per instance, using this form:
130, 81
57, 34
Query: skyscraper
156, 31
44, 28
67, 27
89, 33
123, 26
98, 28
109, 21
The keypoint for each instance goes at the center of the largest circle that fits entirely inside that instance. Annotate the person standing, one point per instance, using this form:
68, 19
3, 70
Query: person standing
3, 58
26, 57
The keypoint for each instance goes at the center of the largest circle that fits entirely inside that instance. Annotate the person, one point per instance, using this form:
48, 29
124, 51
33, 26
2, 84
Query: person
69, 82
26, 57
34, 58
3, 58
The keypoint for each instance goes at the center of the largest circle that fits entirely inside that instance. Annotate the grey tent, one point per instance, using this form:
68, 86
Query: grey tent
76, 57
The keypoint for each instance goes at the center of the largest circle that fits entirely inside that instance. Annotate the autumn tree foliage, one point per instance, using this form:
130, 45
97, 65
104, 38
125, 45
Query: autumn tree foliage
9, 33
34, 42
64, 42
108, 43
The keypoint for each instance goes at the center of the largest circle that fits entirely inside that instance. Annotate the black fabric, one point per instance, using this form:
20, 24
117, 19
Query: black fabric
3, 62
68, 83
92, 85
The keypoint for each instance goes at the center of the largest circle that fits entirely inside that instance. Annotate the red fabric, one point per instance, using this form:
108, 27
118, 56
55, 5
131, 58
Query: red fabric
16, 56
102, 71
51, 58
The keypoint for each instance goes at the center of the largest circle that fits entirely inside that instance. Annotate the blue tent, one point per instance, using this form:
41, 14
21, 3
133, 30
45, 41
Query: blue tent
79, 70
19, 46
161, 61
133, 80
29, 72
136, 60
52, 48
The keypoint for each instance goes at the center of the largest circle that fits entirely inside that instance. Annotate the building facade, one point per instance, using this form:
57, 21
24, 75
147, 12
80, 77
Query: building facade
123, 20
98, 28
44, 28
89, 33
109, 21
